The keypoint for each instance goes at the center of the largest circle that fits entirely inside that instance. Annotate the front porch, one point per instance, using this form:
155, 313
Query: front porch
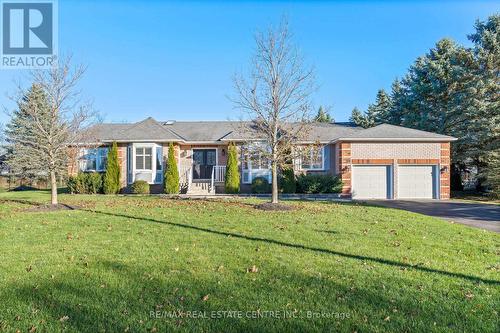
193, 185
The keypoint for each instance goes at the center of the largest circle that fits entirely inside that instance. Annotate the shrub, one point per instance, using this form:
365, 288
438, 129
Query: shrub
93, 182
85, 183
260, 185
140, 187
71, 184
287, 181
232, 182
171, 185
112, 176
80, 183
317, 183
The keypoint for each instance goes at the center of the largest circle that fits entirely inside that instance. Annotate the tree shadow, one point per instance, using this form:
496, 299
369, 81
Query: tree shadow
131, 303
305, 247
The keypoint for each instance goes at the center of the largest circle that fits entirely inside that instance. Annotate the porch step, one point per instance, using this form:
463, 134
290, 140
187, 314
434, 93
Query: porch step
199, 188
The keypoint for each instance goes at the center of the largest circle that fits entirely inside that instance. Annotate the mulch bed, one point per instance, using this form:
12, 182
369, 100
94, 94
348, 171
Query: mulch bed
274, 207
50, 208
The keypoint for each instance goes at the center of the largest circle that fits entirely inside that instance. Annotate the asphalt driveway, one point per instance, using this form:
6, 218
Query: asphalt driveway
478, 215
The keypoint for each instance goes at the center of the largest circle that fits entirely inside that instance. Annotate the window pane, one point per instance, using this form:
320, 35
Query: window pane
90, 164
101, 163
90, 159
317, 157
148, 151
148, 160
159, 158
211, 157
139, 162
102, 156
139, 151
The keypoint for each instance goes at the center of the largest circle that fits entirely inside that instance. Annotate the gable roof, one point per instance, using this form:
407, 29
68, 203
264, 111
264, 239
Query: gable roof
150, 130
145, 130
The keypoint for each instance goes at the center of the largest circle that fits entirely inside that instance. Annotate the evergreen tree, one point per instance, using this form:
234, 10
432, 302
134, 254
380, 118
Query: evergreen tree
379, 112
484, 92
359, 118
232, 181
112, 176
49, 119
171, 185
323, 116
397, 97
26, 143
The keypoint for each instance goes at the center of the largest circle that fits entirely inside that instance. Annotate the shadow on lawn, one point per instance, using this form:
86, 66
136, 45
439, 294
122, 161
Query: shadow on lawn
305, 247
92, 304
291, 245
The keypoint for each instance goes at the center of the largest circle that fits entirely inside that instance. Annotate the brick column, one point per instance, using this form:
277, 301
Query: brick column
122, 162
445, 175
345, 168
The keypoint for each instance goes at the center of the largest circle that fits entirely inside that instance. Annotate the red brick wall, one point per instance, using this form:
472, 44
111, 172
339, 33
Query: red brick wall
344, 153
445, 173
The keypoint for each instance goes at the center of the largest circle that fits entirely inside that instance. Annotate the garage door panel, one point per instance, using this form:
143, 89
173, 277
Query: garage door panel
416, 181
370, 181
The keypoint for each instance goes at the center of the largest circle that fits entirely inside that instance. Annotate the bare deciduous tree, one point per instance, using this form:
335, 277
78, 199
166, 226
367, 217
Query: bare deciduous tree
275, 96
50, 118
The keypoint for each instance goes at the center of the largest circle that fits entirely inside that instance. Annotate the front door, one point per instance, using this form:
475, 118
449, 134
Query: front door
203, 163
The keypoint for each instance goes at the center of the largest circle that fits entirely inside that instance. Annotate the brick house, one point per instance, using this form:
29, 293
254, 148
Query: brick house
383, 162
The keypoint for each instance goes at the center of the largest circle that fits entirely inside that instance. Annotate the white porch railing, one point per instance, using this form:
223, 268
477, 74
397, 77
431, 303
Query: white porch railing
218, 175
185, 177
219, 172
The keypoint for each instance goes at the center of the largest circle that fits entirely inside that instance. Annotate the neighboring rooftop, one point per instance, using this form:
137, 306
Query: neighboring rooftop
223, 131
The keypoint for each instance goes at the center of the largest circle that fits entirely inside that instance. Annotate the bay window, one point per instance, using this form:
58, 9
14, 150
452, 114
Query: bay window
145, 162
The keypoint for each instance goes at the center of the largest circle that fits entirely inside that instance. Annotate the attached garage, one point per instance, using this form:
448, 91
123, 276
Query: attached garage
371, 181
417, 182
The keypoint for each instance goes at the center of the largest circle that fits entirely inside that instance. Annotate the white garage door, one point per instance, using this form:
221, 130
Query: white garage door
416, 182
370, 182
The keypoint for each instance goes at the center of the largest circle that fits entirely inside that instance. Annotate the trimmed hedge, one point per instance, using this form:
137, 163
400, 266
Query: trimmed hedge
287, 183
85, 183
318, 183
260, 185
140, 187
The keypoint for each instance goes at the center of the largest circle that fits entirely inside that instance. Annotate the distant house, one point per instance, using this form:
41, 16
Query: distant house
383, 162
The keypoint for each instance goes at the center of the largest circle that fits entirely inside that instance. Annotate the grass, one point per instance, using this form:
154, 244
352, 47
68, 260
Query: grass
324, 267
473, 196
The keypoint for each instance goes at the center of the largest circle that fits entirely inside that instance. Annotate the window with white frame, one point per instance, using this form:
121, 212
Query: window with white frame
255, 163
145, 162
93, 159
159, 165
144, 158
311, 157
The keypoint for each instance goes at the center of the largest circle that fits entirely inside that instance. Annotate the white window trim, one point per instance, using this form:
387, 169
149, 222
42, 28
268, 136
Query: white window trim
84, 151
250, 170
153, 161
299, 161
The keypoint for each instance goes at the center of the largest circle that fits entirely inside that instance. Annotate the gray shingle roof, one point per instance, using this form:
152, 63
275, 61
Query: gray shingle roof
223, 131
145, 130
392, 132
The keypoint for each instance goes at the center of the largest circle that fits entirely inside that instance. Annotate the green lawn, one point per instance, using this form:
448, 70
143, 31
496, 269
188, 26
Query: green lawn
111, 264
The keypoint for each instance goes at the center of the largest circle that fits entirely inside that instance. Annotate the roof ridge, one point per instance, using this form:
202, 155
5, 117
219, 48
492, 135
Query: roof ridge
154, 122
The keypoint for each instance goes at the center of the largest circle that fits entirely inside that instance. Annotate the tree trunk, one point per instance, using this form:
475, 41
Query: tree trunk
53, 188
274, 172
